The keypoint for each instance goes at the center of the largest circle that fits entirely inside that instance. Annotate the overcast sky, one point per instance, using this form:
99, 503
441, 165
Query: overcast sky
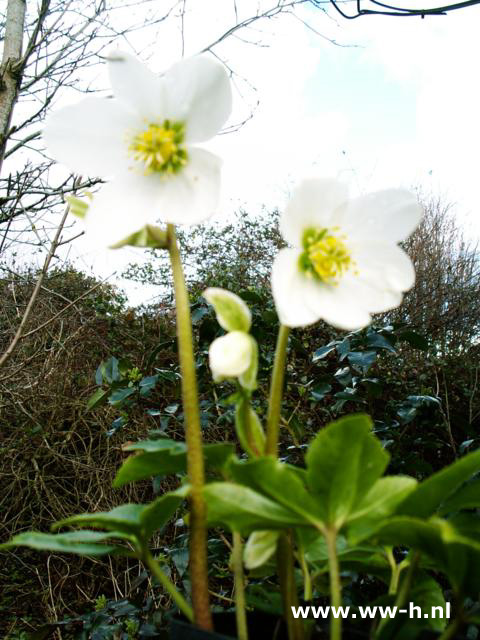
394, 103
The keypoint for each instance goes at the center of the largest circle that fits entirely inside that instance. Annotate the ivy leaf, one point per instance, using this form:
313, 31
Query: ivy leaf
362, 360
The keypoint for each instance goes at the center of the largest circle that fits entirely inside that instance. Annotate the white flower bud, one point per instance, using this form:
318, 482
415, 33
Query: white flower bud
230, 355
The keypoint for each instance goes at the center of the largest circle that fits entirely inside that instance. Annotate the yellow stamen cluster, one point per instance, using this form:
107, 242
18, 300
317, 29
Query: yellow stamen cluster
325, 256
159, 148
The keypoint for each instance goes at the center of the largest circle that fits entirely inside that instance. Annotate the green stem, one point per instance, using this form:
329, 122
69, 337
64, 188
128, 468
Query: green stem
451, 630
276, 392
193, 437
240, 605
307, 578
396, 570
403, 591
335, 584
287, 586
168, 585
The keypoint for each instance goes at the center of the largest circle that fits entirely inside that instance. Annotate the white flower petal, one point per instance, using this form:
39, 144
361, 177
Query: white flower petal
387, 264
390, 215
198, 93
289, 287
313, 204
120, 208
191, 196
91, 137
371, 294
136, 86
230, 355
341, 307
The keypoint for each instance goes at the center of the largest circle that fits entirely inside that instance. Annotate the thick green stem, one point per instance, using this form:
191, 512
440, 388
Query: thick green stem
276, 392
193, 437
335, 585
287, 586
240, 605
168, 585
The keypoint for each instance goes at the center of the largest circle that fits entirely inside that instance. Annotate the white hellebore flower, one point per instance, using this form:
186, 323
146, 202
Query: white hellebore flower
231, 355
345, 263
145, 139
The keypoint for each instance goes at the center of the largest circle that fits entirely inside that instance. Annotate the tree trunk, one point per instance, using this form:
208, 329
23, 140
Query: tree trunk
10, 67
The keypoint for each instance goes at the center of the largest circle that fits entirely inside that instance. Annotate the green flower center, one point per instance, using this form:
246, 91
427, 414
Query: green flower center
326, 256
159, 148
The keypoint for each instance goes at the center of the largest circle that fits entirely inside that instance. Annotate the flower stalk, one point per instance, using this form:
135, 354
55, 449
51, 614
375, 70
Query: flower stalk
193, 437
240, 602
335, 584
167, 584
287, 585
276, 392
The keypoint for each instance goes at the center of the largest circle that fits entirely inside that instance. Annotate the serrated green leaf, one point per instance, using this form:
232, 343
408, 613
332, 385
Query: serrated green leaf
84, 543
377, 505
432, 492
467, 497
244, 510
281, 483
343, 462
453, 553
163, 457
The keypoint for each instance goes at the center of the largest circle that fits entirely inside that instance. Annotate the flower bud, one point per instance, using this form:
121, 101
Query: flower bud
260, 547
230, 355
232, 312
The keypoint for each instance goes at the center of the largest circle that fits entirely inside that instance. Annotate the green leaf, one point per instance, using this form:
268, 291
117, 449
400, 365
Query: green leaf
244, 510
248, 379
149, 236
320, 391
260, 547
138, 520
98, 398
125, 518
321, 353
79, 207
163, 457
83, 543
343, 463
362, 360
377, 505
231, 311
281, 483
373, 557
453, 553
467, 497
249, 429
432, 492
378, 341
119, 395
